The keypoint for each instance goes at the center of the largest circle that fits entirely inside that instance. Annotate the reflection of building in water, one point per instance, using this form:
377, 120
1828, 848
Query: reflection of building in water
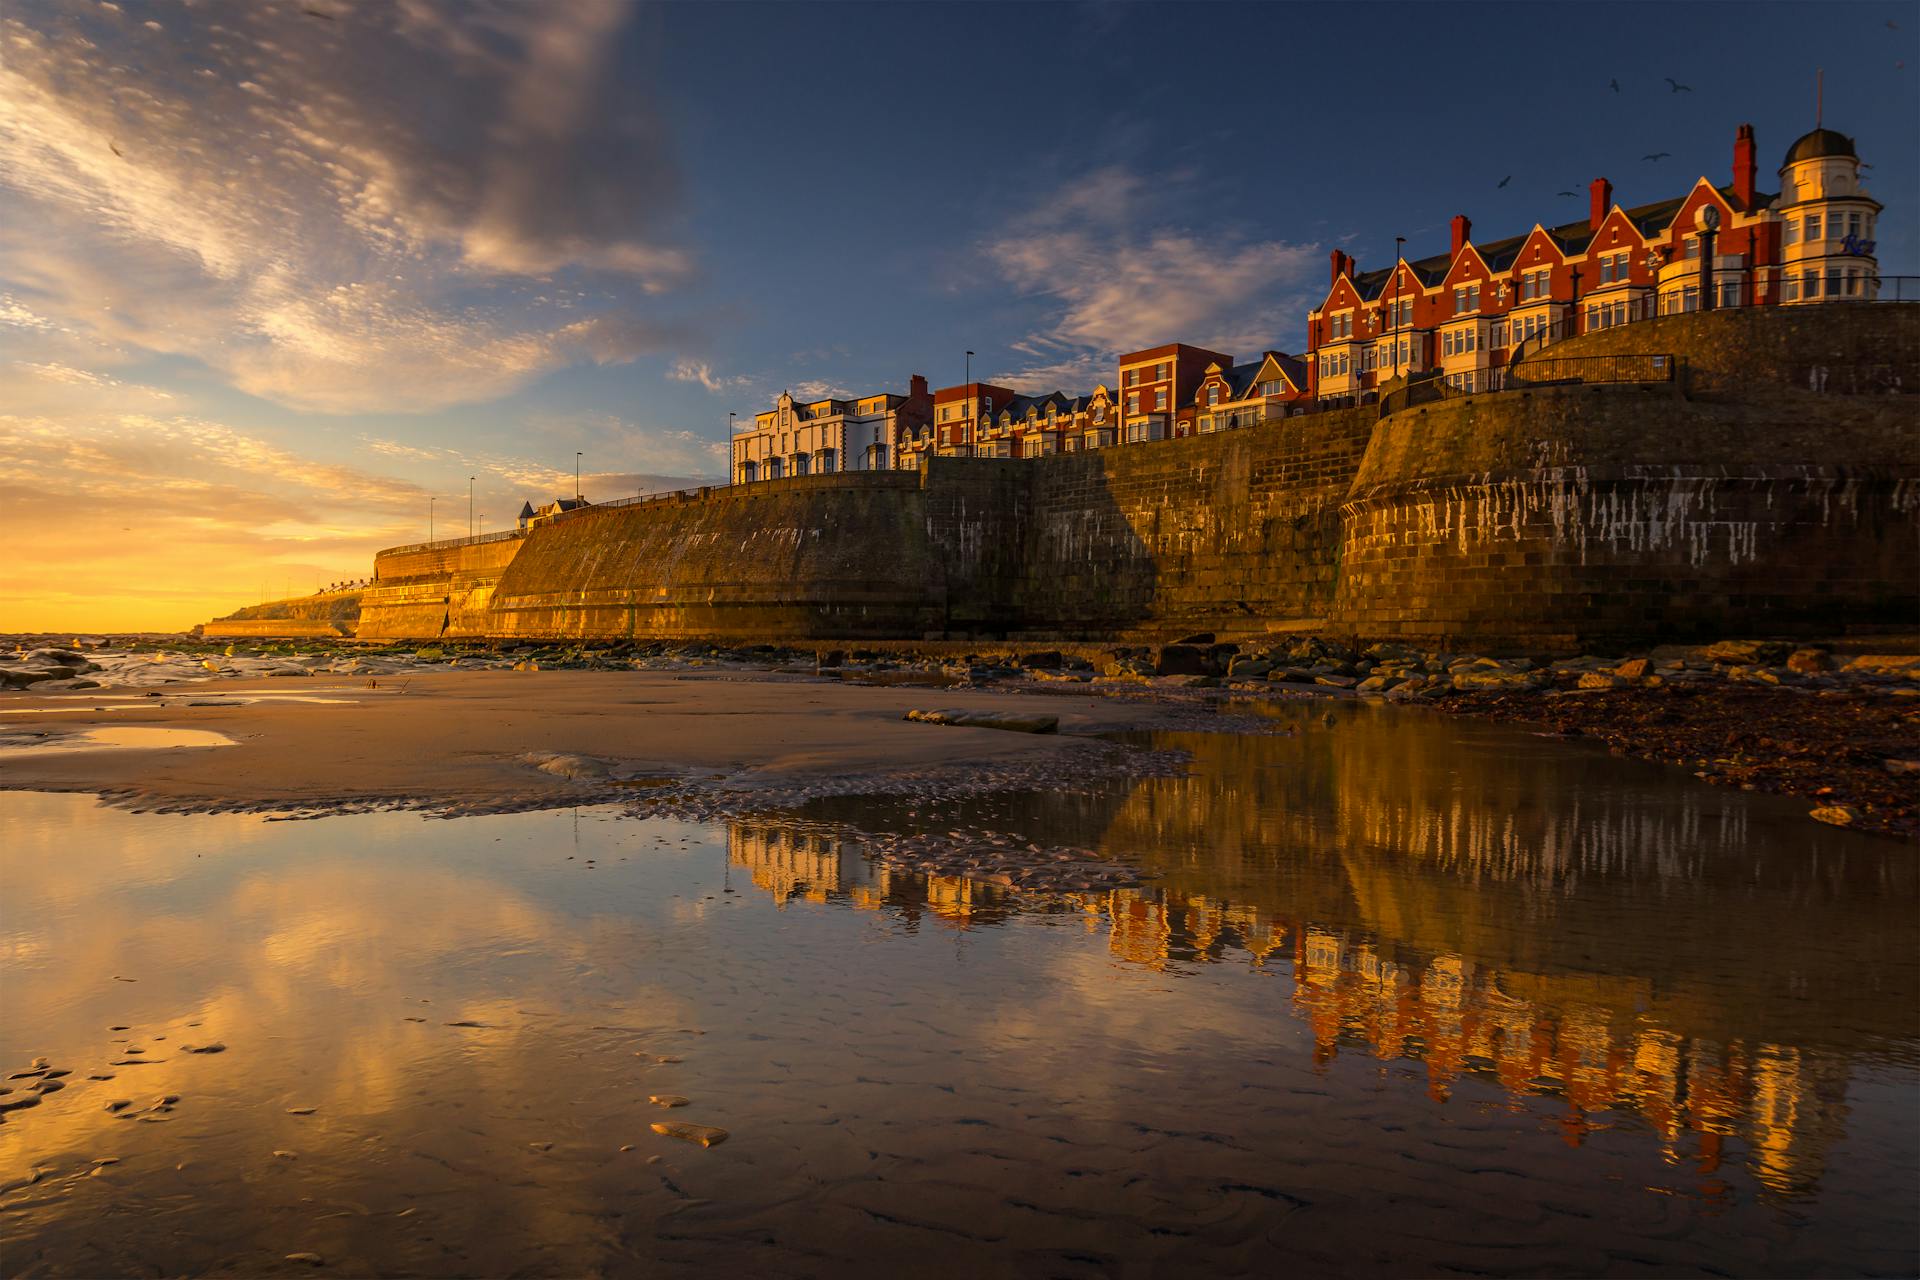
791, 863
1564, 1037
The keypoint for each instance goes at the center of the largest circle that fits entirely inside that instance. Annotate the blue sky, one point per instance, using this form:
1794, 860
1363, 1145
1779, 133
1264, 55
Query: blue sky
273, 275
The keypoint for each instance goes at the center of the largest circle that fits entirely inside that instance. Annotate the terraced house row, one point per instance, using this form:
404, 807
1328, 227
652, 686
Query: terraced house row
1461, 316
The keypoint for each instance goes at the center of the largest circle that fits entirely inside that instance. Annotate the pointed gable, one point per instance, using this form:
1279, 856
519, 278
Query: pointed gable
1468, 267
1616, 232
1538, 250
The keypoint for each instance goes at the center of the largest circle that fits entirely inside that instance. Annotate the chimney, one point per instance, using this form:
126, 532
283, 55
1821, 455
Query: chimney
1334, 266
1599, 200
917, 387
1462, 232
1743, 167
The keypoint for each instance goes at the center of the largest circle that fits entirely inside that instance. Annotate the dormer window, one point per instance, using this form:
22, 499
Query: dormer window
1213, 394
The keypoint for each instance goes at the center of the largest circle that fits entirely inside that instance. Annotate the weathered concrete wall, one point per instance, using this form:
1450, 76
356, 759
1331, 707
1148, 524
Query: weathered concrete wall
1213, 532
326, 615
425, 592
831, 555
1560, 516
1860, 347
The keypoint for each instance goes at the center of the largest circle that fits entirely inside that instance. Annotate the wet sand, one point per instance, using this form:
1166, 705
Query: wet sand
461, 740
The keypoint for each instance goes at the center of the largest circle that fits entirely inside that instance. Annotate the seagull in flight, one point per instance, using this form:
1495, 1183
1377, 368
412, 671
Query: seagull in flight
1678, 87
1569, 193
116, 150
1657, 155
1504, 181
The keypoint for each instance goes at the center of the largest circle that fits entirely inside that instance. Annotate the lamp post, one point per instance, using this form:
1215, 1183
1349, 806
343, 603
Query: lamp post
430, 502
576, 475
1709, 230
733, 459
1575, 326
971, 403
1399, 256
469, 506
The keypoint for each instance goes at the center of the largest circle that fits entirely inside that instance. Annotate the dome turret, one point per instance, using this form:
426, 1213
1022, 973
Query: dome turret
1819, 144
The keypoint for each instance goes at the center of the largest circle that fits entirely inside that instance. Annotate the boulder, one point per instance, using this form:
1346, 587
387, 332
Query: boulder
1838, 815
1808, 662
1249, 668
58, 658
1748, 652
1600, 680
987, 720
1902, 665
1632, 669
1184, 660
21, 677
1494, 679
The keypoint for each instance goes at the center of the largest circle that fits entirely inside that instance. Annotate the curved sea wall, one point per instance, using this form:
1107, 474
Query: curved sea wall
434, 589
831, 555
1556, 517
1734, 499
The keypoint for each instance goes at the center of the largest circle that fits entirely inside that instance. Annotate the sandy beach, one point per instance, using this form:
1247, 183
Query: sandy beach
471, 741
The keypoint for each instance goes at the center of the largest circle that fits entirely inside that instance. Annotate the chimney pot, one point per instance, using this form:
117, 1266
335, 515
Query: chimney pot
1745, 167
1462, 231
1600, 200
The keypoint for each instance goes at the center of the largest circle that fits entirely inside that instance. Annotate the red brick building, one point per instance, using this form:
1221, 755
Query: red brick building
1462, 315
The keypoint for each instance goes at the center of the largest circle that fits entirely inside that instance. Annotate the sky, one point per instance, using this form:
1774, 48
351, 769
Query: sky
277, 278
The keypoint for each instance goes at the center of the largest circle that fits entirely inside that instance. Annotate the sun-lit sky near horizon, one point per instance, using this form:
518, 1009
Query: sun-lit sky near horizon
274, 275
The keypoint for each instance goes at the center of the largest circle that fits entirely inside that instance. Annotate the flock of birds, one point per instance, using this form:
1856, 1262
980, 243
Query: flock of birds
1673, 86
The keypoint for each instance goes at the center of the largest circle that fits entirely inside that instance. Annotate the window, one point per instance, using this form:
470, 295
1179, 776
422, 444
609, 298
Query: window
1466, 297
1813, 228
986, 405
1165, 372
1133, 377
1213, 394
1342, 326
1497, 334
1160, 399
1536, 284
1853, 225
1810, 283
826, 461
1446, 343
1693, 248
1100, 413
1133, 402
1273, 387
1401, 312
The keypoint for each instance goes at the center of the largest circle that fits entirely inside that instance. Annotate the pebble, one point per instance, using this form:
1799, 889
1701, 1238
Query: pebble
215, 1047
705, 1134
311, 1259
667, 1100
287, 1155
301, 1111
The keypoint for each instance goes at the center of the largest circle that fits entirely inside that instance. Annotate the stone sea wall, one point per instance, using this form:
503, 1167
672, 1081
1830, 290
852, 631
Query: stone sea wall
1559, 516
1545, 518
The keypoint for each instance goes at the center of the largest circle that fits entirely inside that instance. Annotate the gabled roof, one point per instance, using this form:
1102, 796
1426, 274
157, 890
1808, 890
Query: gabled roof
526, 511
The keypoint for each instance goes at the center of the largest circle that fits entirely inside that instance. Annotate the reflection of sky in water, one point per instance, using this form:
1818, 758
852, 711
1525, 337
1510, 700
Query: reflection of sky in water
1376, 1014
128, 738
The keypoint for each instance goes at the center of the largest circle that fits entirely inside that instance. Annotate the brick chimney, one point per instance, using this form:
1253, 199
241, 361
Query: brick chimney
1744, 167
917, 387
1336, 266
1599, 200
1462, 232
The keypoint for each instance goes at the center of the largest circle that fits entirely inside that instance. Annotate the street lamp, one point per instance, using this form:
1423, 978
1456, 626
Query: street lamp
469, 506
430, 502
576, 475
1399, 256
1709, 229
733, 458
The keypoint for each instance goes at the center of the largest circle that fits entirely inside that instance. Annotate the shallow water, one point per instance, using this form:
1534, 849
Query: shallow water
1405, 996
130, 738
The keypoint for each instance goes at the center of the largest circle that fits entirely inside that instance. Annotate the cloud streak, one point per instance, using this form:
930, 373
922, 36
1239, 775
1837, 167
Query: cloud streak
338, 215
1121, 272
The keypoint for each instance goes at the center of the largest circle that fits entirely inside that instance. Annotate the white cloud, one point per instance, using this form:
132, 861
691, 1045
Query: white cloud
1123, 274
820, 389
338, 214
684, 370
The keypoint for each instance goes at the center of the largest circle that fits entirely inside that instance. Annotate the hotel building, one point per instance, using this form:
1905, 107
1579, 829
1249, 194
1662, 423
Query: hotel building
812, 437
1463, 315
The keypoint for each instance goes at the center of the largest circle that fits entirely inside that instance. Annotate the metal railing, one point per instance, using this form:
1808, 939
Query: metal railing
1543, 371
445, 544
